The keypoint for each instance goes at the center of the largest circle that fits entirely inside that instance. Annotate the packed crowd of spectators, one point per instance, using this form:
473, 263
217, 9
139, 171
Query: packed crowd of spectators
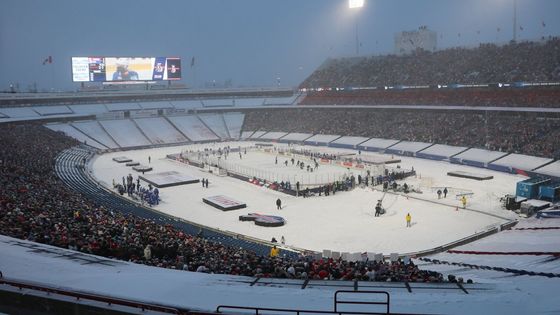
488, 63
505, 97
36, 206
532, 133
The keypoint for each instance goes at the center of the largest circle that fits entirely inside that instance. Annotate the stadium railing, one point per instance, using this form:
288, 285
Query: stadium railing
83, 297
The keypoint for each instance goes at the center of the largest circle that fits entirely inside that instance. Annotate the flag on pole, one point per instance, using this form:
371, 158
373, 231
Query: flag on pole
47, 60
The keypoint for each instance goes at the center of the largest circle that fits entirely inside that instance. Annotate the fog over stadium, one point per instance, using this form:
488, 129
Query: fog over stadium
245, 42
205, 157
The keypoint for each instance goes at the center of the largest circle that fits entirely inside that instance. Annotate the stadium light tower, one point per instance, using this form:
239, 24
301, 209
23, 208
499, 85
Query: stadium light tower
514, 20
356, 5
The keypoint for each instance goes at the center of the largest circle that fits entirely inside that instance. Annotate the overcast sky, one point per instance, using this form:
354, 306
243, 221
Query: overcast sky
250, 42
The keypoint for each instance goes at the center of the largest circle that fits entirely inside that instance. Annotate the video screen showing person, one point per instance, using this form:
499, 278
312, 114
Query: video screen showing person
173, 68
129, 69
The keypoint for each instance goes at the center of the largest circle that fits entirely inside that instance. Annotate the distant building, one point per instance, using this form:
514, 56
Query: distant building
423, 38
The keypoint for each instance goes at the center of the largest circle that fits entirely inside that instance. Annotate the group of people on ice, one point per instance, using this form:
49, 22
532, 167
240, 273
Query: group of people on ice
310, 167
149, 195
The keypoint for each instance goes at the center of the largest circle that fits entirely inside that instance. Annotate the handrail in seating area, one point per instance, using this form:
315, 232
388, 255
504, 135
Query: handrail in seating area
266, 310
94, 297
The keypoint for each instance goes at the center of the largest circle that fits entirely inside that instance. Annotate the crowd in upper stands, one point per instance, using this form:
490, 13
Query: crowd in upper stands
488, 63
494, 96
536, 134
36, 205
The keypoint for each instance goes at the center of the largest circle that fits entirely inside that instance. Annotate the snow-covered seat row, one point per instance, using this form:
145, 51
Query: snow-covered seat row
52, 110
257, 134
192, 127
408, 148
216, 123
477, 157
377, 144
234, 123
280, 100
70, 131
321, 139
18, 112
94, 130
513, 163
440, 152
347, 142
295, 137
246, 135
125, 132
155, 105
159, 130
273, 135
122, 106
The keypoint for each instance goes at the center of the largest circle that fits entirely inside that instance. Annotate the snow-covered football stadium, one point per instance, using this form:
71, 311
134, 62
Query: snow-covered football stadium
421, 180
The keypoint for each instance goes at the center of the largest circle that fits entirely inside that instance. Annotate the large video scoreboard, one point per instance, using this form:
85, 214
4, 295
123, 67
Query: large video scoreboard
107, 69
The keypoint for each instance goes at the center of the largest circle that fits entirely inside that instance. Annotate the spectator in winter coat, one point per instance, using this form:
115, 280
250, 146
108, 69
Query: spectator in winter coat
148, 252
274, 251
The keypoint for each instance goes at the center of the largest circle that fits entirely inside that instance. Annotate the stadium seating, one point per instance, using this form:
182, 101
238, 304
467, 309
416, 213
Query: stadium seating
53, 200
488, 63
532, 133
479, 97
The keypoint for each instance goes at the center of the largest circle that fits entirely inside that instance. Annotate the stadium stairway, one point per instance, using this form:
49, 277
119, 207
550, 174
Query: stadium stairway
70, 168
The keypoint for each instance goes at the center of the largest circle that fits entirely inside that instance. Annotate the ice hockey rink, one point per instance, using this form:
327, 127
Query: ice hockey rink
343, 222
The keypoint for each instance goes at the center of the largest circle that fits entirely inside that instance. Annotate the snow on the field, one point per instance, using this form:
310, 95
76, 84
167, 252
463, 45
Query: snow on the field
94, 130
344, 222
125, 132
159, 130
521, 161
